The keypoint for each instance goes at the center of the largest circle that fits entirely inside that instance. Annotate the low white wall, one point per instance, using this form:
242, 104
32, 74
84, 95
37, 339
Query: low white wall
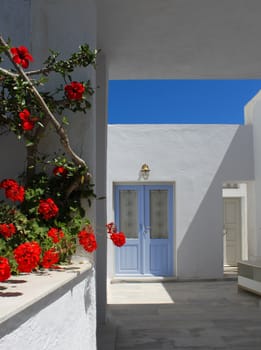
197, 159
63, 317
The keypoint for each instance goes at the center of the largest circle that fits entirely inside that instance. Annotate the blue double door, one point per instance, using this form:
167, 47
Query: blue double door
145, 214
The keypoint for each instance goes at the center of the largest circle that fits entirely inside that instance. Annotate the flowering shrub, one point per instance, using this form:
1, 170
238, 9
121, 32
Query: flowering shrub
43, 217
118, 238
13, 190
74, 90
5, 270
55, 234
47, 208
50, 258
7, 230
87, 239
27, 256
27, 122
21, 56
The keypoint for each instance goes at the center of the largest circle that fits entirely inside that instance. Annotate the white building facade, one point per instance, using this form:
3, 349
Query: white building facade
199, 165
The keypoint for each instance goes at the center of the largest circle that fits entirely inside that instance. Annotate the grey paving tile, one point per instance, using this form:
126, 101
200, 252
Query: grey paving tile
191, 315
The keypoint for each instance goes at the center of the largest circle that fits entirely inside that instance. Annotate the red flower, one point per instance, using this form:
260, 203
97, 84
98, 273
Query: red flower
55, 234
74, 90
7, 183
7, 230
27, 256
50, 258
13, 190
5, 270
21, 56
60, 171
15, 193
87, 239
118, 239
27, 121
47, 208
111, 228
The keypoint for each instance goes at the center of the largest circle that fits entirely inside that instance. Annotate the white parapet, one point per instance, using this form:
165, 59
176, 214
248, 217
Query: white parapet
249, 275
49, 310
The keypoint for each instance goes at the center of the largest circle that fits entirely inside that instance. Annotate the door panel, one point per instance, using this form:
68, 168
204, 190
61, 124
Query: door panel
129, 261
128, 202
232, 231
158, 210
159, 259
158, 203
129, 213
144, 214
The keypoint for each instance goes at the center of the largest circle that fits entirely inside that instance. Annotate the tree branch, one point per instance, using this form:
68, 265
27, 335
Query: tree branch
32, 72
7, 73
58, 127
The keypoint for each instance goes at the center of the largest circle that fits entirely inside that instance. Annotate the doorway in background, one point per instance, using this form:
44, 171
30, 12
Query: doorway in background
232, 231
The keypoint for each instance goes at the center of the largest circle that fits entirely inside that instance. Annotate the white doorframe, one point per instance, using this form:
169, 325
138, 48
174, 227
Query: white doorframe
240, 192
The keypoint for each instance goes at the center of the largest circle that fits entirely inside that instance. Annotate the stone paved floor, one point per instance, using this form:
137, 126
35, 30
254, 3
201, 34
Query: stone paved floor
183, 315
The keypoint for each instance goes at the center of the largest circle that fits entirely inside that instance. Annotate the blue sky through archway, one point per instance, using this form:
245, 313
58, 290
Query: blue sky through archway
180, 101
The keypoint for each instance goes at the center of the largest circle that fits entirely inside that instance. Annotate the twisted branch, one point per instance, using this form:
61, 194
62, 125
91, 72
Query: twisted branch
49, 115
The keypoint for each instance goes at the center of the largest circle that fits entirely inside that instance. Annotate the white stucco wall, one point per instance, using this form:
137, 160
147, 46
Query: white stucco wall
62, 320
171, 39
253, 117
197, 159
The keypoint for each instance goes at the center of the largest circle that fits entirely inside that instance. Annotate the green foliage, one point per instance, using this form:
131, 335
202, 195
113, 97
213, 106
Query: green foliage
83, 58
66, 189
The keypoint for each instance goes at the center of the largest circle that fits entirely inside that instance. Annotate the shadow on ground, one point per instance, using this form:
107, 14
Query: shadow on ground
200, 315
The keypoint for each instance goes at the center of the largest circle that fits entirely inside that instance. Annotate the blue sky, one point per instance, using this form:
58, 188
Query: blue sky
179, 101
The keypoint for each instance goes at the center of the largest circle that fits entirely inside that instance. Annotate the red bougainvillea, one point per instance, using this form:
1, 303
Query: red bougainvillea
60, 171
13, 190
87, 239
74, 90
21, 56
7, 230
5, 270
27, 256
55, 234
50, 258
27, 121
118, 239
111, 228
47, 208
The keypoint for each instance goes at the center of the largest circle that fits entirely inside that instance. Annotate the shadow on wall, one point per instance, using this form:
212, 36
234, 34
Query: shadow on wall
12, 156
200, 254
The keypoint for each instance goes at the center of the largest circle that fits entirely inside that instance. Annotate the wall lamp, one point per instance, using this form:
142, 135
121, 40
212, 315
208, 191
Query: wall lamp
145, 171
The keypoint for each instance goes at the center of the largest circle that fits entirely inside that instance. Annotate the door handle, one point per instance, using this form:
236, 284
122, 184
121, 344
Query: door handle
146, 230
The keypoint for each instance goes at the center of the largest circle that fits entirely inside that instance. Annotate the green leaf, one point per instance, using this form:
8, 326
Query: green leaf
65, 121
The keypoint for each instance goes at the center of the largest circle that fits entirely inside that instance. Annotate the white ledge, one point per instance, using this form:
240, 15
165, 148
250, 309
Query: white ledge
25, 290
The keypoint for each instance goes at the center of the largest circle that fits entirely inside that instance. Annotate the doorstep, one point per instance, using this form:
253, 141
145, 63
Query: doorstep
141, 279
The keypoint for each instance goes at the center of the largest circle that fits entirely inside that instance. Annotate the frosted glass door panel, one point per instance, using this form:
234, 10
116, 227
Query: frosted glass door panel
129, 213
159, 214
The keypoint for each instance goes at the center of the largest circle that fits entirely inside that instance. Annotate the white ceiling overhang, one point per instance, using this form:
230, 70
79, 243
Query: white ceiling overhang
172, 39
